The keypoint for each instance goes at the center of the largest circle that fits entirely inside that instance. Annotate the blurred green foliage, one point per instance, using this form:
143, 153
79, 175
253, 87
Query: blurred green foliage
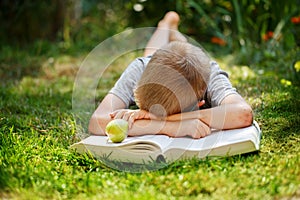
24, 21
238, 23
252, 30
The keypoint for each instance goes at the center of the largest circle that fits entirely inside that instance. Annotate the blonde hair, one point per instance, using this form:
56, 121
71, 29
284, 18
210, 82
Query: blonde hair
175, 79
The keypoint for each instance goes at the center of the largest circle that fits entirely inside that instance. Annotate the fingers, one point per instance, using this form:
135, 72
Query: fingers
131, 115
138, 114
118, 114
131, 119
121, 114
127, 115
205, 131
202, 130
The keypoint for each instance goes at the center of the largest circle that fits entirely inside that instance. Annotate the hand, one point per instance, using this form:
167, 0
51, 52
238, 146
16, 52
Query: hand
194, 128
131, 115
201, 129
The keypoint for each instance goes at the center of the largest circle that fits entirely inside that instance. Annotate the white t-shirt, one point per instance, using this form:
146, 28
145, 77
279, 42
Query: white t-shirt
218, 88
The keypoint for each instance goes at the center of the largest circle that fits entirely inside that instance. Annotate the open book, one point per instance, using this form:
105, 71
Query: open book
149, 148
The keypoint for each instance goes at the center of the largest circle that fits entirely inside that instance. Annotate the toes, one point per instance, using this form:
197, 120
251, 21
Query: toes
171, 20
172, 17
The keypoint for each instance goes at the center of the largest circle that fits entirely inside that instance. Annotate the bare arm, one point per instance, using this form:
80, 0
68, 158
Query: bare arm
101, 116
112, 104
191, 127
233, 112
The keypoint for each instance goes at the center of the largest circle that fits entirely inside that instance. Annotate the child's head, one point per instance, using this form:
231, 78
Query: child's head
174, 80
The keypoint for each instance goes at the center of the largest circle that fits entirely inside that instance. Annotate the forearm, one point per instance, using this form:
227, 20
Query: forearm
228, 116
169, 128
140, 127
147, 126
192, 128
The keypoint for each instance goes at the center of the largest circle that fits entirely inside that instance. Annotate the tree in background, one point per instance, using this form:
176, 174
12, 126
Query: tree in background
24, 21
253, 29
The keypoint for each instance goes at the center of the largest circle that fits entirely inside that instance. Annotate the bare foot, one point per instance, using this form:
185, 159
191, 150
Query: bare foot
167, 30
171, 21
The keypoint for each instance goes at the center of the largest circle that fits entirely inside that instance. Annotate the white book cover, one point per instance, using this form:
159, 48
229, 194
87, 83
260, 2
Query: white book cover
148, 148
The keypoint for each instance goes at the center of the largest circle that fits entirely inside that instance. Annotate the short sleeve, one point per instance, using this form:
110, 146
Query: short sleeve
219, 85
127, 82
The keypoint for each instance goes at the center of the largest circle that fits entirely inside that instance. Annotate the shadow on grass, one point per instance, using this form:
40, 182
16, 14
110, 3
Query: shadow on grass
86, 161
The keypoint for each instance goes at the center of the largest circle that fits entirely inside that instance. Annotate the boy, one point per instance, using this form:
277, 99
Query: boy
170, 85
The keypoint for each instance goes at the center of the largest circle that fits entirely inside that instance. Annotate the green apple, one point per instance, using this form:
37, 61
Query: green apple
117, 130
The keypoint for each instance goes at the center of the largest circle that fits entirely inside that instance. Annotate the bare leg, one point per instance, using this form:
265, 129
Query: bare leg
174, 34
167, 30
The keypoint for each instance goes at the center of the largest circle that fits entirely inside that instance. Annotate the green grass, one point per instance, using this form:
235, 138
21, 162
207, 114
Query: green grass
37, 126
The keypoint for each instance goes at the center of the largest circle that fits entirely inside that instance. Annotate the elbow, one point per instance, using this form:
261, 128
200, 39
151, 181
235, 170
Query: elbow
96, 125
246, 115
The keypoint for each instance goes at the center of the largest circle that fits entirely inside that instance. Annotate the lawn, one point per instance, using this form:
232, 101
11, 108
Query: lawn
37, 126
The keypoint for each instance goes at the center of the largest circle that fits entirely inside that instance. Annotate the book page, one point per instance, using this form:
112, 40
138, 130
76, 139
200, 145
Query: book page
219, 143
216, 139
137, 143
